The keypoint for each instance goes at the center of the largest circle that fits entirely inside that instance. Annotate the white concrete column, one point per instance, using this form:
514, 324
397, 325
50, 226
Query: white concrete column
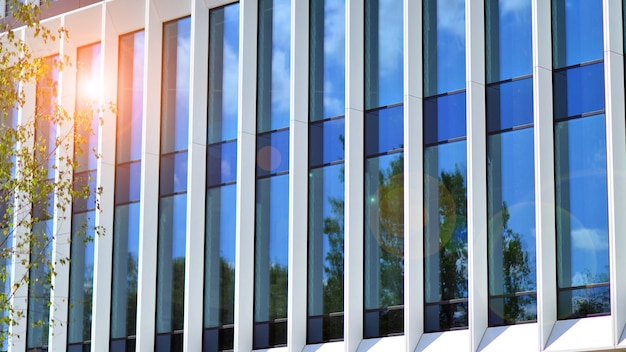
478, 291
616, 158
149, 205
298, 176
354, 183
246, 163
196, 187
62, 223
413, 176
103, 245
544, 169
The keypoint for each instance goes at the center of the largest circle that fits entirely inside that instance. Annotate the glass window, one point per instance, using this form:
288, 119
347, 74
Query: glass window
582, 217
445, 236
576, 31
326, 142
39, 286
508, 39
383, 53
384, 130
444, 46
444, 118
384, 245
222, 163
511, 227
273, 65
272, 153
509, 104
579, 90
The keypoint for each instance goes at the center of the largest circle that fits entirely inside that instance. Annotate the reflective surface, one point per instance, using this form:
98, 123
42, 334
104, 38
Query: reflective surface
81, 277
39, 287
444, 118
384, 130
582, 218
383, 53
576, 31
272, 153
222, 163
326, 142
445, 236
509, 105
579, 90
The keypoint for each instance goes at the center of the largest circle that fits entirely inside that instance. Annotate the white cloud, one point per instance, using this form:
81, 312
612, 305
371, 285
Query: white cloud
590, 239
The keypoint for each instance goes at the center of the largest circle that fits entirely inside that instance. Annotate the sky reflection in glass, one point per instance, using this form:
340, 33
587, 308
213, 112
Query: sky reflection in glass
579, 90
444, 118
576, 31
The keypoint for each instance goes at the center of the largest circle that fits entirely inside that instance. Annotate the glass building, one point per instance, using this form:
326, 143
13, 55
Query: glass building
336, 175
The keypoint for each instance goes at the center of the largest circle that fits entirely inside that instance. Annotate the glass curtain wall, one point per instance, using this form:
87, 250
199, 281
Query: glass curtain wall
384, 169
272, 179
173, 185
445, 166
84, 210
580, 159
221, 196
510, 163
326, 171
38, 315
127, 188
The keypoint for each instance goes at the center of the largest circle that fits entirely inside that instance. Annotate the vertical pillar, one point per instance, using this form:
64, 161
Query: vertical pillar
246, 161
413, 176
354, 184
194, 268
298, 180
476, 172
616, 158
148, 208
544, 169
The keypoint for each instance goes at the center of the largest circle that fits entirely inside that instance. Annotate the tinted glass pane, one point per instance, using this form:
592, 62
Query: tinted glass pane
327, 59
39, 285
579, 90
173, 178
271, 251
444, 118
171, 263
383, 53
81, 277
130, 97
127, 182
509, 104
508, 39
384, 232
88, 58
221, 163
223, 73
576, 31
273, 64
124, 285
83, 182
444, 46
326, 142
445, 235
579, 303
219, 273
384, 130
511, 226
175, 100
581, 208
272, 153
326, 247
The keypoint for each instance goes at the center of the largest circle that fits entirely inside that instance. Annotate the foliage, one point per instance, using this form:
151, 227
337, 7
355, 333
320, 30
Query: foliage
38, 156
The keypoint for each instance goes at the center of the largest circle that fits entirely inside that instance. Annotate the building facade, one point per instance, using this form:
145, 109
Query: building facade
340, 175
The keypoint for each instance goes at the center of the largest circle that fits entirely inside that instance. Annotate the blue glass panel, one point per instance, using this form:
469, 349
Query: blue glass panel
511, 226
508, 39
86, 145
576, 31
384, 231
219, 267
579, 303
125, 270
327, 59
221, 163
171, 263
127, 182
444, 118
581, 206
271, 252
130, 97
272, 153
383, 53
39, 284
326, 142
175, 91
273, 64
173, 178
444, 46
579, 90
384, 130
81, 277
445, 235
509, 105
223, 73
82, 182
